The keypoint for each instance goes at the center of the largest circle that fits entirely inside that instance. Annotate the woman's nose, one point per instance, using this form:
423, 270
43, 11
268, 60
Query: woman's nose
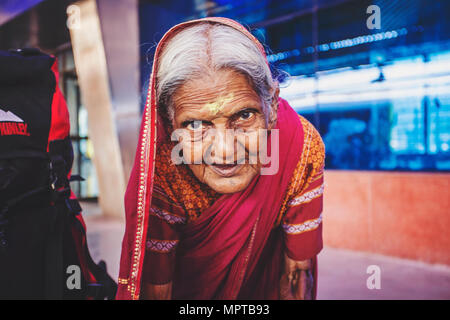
223, 149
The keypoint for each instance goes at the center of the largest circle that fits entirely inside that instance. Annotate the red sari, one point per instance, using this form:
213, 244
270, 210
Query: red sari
232, 250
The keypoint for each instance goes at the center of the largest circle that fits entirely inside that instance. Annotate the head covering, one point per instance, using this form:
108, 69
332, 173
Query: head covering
249, 232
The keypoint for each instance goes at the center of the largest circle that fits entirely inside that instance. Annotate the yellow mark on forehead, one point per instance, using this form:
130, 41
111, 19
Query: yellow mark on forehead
215, 107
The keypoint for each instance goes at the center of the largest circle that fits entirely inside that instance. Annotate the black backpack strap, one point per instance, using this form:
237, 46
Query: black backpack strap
59, 186
61, 155
5, 209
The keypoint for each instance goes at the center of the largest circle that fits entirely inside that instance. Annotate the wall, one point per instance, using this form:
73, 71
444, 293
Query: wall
400, 214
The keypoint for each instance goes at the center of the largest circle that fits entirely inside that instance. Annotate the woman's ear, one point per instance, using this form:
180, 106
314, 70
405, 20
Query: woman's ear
274, 109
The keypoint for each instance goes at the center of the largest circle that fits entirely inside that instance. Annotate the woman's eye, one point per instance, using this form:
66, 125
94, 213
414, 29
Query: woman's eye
194, 125
246, 115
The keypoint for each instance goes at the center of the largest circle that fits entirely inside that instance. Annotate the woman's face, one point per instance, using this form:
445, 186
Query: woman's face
221, 116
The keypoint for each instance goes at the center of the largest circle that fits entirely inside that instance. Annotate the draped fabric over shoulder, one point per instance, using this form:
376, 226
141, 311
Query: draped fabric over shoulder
234, 248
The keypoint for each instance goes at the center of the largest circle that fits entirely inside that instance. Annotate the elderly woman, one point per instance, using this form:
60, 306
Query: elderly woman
222, 223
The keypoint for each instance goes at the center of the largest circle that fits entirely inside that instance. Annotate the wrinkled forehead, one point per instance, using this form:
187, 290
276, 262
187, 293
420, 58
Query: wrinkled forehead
226, 89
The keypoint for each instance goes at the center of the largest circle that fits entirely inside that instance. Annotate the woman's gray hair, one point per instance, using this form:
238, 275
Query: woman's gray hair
211, 46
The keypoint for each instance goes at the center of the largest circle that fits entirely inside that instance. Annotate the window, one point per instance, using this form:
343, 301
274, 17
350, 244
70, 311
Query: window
392, 117
79, 132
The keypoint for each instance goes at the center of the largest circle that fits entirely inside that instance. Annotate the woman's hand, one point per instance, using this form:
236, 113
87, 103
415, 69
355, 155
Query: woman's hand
157, 292
297, 281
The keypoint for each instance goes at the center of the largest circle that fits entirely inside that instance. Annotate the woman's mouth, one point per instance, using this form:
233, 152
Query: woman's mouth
225, 170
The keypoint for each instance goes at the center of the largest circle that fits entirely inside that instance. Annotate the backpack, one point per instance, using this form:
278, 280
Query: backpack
43, 247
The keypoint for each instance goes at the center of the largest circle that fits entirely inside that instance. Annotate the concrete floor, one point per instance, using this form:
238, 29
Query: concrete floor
342, 273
